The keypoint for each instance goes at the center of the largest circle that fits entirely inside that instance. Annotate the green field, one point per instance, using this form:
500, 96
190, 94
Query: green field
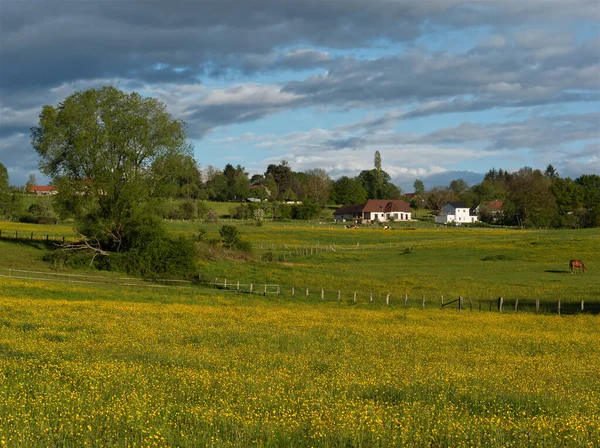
108, 365
411, 259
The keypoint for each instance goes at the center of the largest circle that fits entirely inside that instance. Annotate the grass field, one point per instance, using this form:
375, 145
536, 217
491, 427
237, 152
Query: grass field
450, 262
89, 365
81, 366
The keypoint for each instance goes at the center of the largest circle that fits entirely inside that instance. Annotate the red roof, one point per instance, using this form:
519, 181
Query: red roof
40, 188
376, 205
495, 205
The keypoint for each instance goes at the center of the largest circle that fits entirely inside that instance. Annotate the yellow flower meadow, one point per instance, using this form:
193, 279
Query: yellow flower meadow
142, 369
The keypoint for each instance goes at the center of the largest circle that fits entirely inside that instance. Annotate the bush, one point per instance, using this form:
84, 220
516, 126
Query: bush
244, 246
188, 209
230, 236
39, 213
211, 216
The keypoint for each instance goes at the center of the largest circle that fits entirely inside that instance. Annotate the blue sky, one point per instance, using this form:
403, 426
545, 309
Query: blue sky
443, 89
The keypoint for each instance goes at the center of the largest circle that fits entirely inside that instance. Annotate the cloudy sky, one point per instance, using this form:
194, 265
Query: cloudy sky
444, 89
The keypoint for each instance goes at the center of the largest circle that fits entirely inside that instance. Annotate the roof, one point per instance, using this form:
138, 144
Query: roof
375, 205
458, 204
42, 188
494, 205
349, 209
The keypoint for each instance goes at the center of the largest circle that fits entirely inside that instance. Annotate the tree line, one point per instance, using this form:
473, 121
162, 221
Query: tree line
528, 198
116, 157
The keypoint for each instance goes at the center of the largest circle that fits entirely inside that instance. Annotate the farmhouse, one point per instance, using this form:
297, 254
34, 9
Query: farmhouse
492, 210
375, 210
43, 190
457, 212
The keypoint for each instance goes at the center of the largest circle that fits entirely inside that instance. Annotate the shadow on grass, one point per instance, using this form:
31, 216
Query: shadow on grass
553, 271
36, 244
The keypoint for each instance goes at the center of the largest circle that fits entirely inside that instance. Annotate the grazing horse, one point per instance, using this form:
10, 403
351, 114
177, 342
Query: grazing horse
576, 264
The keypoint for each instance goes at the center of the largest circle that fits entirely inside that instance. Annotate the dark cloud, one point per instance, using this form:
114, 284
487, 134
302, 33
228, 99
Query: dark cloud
48, 49
70, 40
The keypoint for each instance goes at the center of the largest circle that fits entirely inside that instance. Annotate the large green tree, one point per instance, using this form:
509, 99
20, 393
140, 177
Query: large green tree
106, 151
318, 186
348, 190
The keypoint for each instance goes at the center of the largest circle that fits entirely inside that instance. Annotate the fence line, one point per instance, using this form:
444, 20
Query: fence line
321, 294
460, 303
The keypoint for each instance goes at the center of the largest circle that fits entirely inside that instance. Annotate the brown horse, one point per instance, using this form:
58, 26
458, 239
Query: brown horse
576, 264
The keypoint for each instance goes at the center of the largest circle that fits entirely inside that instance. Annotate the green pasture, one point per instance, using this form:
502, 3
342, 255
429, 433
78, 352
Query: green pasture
412, 259
451, 262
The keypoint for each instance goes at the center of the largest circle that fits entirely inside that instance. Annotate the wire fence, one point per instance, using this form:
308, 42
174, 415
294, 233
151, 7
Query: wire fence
277, 291
500, 304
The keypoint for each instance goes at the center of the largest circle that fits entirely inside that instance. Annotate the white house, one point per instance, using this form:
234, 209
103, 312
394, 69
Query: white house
375, 210
456, 212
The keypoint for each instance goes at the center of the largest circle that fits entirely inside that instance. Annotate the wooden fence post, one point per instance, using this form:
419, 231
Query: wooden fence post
405, 300
307, 293
460, 303
371, 297
559, 307
322, 294
354, 296
31, 236
387, 299
500, 302
339, 295
292, 292
582, 305
225, 283
238, 286
250, 288
516, 305
442, 302
537, 305
265, 290
423, 302
278, 290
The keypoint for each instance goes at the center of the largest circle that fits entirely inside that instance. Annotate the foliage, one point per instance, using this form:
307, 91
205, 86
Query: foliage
106, 152
10, 202
318, 186
347, 190
258, 215
230, 236
211, 216
419, 187
40, 213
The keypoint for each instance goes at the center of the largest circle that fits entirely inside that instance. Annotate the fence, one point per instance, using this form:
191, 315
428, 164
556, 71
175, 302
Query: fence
500, 304
36, 236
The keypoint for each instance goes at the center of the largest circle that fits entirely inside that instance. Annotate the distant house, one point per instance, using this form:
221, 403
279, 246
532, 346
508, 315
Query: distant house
456, 212
492, 207
375, 210
43, 190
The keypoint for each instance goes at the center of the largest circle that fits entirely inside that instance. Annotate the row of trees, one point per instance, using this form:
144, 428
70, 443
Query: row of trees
531, 198
184, 179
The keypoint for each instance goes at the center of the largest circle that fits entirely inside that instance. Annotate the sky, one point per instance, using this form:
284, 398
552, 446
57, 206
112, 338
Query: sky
443, 89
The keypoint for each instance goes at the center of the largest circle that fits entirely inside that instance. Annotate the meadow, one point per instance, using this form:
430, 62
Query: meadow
84, 366
105, 365
412, 259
